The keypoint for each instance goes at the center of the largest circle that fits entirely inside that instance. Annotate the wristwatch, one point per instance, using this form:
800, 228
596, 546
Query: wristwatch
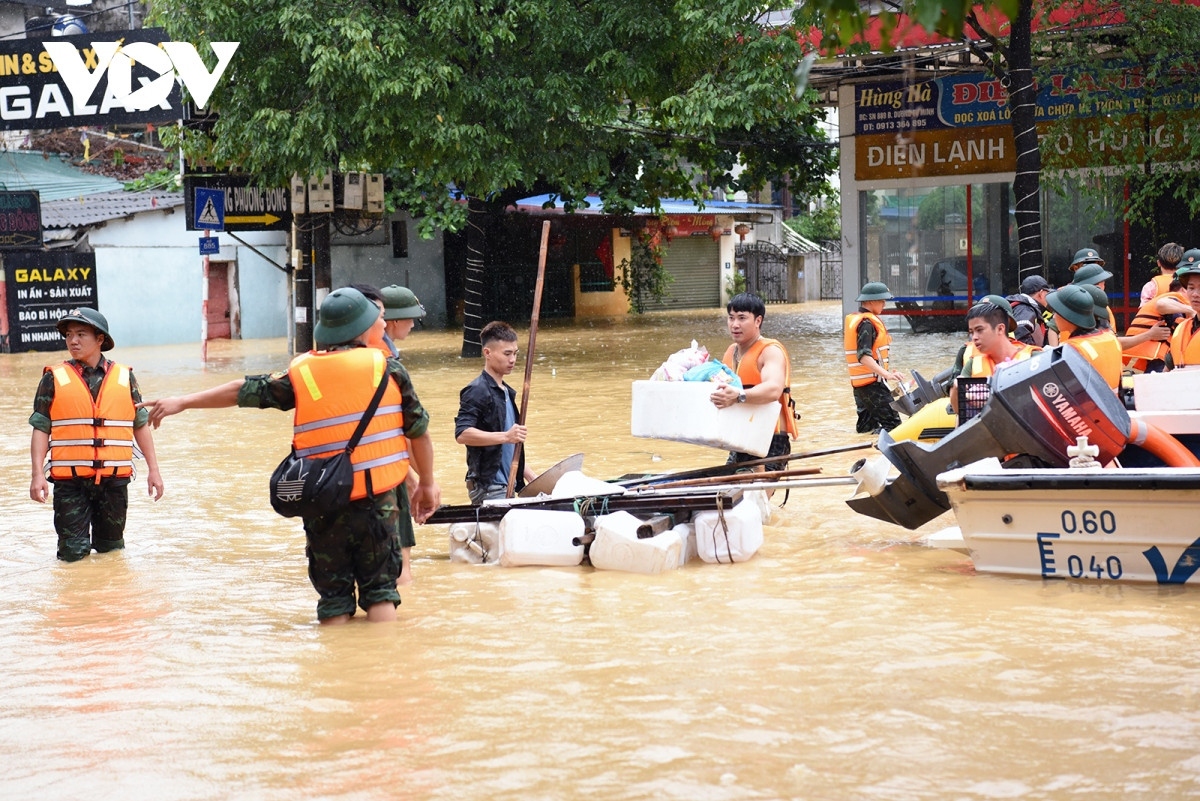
741, 397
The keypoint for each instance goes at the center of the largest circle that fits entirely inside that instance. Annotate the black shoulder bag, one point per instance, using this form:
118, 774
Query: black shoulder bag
314, 486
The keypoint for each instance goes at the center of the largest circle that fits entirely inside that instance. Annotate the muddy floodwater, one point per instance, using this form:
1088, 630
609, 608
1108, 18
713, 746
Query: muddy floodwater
845, 661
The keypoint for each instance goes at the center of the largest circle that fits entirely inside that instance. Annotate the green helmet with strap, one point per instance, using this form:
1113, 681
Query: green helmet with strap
87, 316
875, 290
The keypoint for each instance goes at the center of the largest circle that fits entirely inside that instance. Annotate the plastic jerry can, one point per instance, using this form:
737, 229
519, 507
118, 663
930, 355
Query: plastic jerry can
540, 537
761, 502
617, 547
687, 542
733, 535
475, 543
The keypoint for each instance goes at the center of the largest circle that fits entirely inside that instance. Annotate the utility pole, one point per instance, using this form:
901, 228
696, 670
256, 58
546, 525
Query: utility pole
302, 282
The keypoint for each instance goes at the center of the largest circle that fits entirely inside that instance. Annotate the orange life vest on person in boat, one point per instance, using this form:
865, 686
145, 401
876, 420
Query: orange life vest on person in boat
747, 370
91, 438
1101, 348
860, 374
1138, 357
332, 390
983, 366
1185, 345
1162, 284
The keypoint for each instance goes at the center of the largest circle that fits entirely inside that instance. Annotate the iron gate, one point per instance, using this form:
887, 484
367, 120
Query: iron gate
766, 270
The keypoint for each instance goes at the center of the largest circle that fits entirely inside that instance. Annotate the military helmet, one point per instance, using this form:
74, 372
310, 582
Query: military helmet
90, 317
344, 315
1189, 261
875, 290
1086, 256
399, 303
1001, 303
1091, 273
1074, 303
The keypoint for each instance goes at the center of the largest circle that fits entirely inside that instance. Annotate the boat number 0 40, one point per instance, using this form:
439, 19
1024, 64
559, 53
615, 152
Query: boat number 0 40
1089, 522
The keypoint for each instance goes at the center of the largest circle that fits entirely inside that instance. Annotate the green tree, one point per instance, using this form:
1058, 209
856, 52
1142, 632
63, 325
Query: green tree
632, 101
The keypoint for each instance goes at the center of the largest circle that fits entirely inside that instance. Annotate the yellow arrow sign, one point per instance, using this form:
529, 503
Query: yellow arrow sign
260, 219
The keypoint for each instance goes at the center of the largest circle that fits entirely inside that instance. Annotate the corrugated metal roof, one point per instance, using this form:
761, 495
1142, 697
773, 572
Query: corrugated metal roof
52, 176
76, 212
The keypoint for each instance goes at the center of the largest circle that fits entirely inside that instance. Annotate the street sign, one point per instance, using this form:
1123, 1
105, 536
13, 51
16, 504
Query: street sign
209, 209
247, 206
209, 245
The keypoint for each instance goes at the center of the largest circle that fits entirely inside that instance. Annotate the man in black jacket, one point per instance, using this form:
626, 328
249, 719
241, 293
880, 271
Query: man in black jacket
487, 419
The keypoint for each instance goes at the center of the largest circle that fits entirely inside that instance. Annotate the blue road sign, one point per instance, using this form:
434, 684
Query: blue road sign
210, 209
209, 245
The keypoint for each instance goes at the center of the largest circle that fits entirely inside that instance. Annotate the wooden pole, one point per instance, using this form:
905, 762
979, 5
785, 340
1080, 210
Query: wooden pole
533, 327
727, 469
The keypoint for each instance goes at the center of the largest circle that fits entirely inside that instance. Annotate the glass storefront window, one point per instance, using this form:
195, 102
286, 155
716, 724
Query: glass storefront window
938, 248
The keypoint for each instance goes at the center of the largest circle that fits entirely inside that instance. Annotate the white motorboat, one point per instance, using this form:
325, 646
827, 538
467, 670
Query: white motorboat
1118, 504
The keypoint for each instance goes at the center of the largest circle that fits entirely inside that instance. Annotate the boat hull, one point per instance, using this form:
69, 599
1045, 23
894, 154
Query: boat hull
1127, 525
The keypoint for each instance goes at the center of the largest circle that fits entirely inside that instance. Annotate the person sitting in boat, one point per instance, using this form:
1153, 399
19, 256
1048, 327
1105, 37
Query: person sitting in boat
1185, 345
1075, 318
1167, 261
1029, 310
487, 419
991, 345
1164, 310
765, 370
867, 344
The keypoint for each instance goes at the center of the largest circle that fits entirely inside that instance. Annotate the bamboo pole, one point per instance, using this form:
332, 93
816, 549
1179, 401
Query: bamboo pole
533, 327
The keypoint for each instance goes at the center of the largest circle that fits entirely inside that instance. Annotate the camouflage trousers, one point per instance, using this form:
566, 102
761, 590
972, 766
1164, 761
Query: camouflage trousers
874, 405
90, 516
358, 545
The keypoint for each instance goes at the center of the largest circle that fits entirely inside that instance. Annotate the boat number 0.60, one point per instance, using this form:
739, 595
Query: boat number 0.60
1089, 522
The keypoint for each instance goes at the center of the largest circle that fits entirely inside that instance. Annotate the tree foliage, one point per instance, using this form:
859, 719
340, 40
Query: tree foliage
632, 101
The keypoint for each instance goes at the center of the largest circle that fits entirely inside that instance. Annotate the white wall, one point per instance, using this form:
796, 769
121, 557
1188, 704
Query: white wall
149, 279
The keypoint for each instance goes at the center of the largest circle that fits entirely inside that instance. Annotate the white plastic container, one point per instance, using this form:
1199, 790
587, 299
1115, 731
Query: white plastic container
761, 502
574, 482
1178, 390
540, 537
617, 547
734, 536
475, 543
681, 411
687, 542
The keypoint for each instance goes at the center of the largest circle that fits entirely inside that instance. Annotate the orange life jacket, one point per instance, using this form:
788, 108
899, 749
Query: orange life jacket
332, 390
1162, 284
860, 374
1185, 345
747, 370
91, 438
983, 366
1101, 348
1138, 357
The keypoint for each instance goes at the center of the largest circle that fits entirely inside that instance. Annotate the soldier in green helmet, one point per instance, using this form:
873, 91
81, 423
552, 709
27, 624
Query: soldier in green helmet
329, 389
85, 419
868, 352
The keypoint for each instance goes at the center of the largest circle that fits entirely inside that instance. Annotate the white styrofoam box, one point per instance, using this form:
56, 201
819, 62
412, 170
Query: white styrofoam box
687, 542
475, 543
1176, 391
617, 547
540, 537
681, 411
733, 535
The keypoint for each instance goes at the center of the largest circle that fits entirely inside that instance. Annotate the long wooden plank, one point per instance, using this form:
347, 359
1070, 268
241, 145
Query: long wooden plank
634, 503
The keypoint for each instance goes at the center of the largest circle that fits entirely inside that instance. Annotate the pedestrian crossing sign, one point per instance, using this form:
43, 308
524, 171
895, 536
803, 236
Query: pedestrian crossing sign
210, 209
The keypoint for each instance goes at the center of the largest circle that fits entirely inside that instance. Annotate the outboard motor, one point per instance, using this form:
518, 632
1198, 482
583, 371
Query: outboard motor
1039, 407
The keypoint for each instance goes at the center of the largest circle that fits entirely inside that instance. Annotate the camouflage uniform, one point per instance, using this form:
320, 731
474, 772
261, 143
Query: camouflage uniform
360, 544
87, 515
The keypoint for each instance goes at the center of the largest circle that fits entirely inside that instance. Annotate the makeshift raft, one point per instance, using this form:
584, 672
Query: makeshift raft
638, 523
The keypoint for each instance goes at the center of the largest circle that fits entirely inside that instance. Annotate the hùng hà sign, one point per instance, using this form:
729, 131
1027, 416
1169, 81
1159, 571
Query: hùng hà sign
109, 78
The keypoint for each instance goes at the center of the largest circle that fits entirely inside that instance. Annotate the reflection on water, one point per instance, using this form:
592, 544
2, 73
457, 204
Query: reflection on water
844, 661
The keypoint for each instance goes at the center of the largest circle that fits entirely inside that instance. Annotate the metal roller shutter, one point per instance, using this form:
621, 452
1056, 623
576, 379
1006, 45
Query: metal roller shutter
695, 262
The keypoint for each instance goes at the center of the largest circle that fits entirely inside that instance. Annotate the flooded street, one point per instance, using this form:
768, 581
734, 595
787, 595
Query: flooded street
845, 661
